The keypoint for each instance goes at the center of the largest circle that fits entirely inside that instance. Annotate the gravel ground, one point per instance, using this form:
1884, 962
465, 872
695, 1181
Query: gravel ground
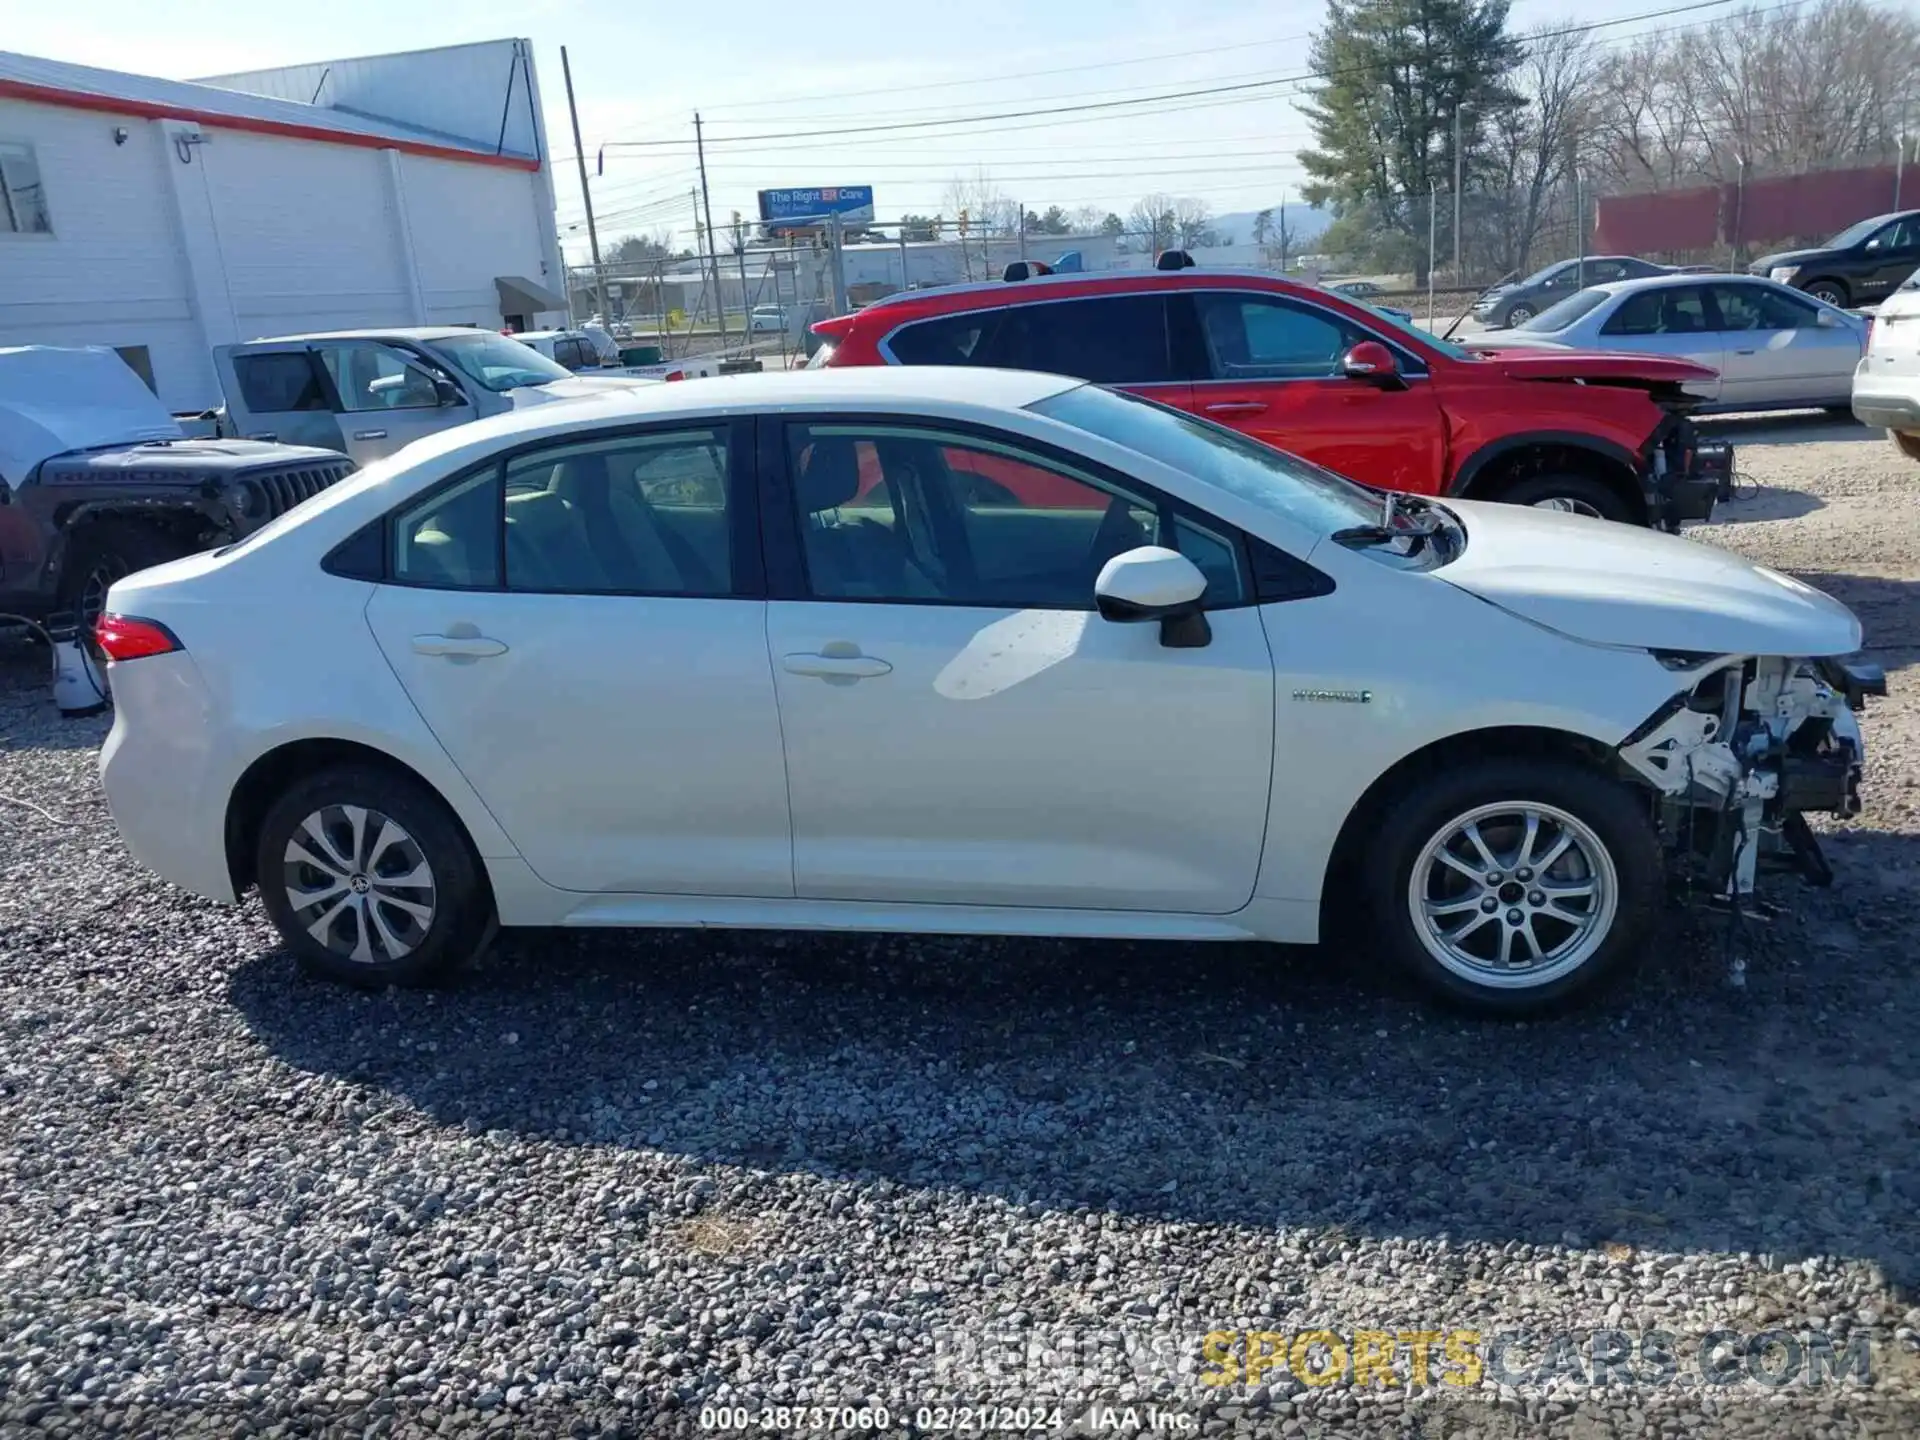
606, 1181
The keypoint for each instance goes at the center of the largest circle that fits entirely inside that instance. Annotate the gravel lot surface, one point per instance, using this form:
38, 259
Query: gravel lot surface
605, 1181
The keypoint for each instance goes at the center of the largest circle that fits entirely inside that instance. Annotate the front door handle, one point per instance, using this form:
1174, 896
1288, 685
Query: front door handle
369, 434
458, 647
1236, 407
836, 669
1746, 352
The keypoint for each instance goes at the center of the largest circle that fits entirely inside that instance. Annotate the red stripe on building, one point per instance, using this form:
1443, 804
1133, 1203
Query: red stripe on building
152, 110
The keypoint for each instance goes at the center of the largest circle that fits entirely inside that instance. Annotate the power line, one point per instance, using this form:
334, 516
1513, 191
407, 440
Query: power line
1241, 87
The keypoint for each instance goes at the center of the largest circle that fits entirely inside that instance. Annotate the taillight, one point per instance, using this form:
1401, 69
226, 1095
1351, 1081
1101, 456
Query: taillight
676, 375
127, 637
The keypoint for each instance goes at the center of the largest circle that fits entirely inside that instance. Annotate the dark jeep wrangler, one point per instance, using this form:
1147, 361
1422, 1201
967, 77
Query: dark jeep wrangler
75, 517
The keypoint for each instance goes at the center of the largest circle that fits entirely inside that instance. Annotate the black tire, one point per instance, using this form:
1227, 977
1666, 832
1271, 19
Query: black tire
459, 907
1907, 445
1833, 292
1612, 814
1839, 414
110, 550
1520, 314
1585, 494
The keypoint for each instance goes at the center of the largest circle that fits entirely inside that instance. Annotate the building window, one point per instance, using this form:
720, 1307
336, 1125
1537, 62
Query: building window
23, 200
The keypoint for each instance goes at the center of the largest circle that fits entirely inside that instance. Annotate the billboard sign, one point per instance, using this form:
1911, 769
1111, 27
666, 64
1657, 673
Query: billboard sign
809, 209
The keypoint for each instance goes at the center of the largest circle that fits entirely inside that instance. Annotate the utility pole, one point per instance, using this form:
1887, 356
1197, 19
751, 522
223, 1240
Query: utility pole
1433, 241
903, 254
713, 256
1579, 232
838, 263
1458, 171
1020, 219
739, 232
580, 154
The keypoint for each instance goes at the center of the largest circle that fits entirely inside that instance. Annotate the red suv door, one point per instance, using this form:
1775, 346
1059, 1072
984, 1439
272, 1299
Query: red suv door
1269, 365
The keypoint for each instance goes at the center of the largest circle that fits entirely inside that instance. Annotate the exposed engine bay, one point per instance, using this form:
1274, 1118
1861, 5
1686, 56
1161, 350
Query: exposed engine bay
1740, 760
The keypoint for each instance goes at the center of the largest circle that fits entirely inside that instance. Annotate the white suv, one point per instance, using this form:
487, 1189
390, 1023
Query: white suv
1886, 383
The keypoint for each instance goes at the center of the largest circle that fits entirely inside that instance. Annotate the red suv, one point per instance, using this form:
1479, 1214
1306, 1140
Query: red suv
1332, 380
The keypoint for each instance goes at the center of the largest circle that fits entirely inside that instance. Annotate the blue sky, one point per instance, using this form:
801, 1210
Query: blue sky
761, 69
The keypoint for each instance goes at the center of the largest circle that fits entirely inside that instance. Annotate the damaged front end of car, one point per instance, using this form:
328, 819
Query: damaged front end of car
1739, 759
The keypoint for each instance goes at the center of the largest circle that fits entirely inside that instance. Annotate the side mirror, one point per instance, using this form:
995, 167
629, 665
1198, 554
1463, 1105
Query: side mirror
1154, 583
447, 393
1372, 362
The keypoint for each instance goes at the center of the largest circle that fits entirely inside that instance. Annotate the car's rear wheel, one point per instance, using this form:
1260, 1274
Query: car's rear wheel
1507, 885
1832, 292
1520, 314
369, 878
1907, 445
1571, 492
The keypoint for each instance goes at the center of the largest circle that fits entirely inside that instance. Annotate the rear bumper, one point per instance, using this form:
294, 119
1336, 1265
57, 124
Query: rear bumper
1887, 412
162, 772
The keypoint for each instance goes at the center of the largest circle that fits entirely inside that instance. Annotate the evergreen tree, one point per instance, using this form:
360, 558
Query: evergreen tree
1396, 75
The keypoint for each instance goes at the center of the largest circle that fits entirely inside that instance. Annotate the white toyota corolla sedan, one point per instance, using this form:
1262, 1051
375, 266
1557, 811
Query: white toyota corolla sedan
965, 651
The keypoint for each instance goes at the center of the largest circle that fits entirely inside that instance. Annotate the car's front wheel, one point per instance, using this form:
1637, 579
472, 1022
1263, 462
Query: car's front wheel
1519, 314
1508, 884
370, 879
1830, 292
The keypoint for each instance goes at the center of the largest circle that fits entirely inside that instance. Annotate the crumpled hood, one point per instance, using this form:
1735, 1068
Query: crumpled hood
1612, 584
574, 387
54, 399
1534, 361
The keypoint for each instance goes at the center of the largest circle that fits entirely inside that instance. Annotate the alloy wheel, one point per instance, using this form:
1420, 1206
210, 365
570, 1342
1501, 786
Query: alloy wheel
1513, 895
359, 884
1519, 315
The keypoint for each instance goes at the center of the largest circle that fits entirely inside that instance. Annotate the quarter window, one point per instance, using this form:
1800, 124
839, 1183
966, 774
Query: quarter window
901, 513
1253, 338
23, 198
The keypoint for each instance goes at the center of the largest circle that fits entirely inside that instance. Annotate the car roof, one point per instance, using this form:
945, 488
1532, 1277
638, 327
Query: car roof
396, 332
1662, 282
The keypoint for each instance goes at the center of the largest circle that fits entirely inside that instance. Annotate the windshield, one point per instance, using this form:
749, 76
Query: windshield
497, 361
1855, 233
1286, 485
1559, 316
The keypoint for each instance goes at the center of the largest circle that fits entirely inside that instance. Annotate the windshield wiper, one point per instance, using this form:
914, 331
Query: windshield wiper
1397, 514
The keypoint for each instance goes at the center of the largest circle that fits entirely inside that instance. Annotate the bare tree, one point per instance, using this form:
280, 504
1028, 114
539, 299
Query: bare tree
1533, 146
1086, 219
1152, 221
1192, 221
985, 209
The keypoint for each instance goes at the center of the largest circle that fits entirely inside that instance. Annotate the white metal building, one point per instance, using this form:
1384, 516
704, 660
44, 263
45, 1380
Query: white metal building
164, 217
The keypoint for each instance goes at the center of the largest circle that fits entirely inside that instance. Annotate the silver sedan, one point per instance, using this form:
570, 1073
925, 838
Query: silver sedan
1775, 348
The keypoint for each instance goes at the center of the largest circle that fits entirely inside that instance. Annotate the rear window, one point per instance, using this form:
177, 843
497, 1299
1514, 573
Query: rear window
1560, 316
822, 357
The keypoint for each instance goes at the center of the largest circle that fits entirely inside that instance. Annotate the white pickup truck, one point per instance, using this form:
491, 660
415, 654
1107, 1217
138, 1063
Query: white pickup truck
584, 353
366, 393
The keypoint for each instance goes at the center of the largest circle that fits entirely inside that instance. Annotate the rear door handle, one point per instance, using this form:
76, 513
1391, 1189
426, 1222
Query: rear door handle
458, 647
842, 669
1236, 407
369, 434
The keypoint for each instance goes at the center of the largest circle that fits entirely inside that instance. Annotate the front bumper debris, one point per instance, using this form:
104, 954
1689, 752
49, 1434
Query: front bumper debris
1740, 761
1684, 476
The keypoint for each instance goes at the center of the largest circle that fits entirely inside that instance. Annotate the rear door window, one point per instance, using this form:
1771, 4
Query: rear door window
1671, 310
279, 381
947, 340
1108, 339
